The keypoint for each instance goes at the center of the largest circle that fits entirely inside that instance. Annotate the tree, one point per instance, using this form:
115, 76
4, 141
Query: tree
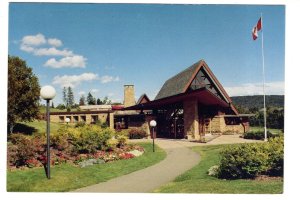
90, 99
52, 104
106, 101
70, 97
82, 100
99, 102
61, 106
23, 92
65, 96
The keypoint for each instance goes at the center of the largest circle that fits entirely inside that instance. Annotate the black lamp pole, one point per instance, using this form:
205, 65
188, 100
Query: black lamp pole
48, 140
153, 139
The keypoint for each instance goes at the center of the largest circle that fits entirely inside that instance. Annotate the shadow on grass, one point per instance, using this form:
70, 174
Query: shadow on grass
25, 129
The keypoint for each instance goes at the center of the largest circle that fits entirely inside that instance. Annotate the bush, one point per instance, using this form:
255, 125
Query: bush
86, 139
136, 133
24, 150
258, 135
80, 124
251, 160
276, 148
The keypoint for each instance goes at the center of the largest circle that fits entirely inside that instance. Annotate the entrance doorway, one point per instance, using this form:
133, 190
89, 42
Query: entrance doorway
170, 124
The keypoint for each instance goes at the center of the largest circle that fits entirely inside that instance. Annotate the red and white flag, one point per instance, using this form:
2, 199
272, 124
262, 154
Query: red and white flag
256, 29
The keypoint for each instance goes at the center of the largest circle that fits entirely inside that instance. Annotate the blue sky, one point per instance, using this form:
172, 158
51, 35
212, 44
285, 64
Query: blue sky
101, 47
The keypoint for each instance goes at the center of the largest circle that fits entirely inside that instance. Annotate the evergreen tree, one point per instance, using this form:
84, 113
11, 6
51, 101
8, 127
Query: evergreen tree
52, 105
90, 99
65, 96
70, 97
99, 102
82, 100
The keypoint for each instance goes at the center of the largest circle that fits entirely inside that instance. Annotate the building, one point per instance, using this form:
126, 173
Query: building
193, 103
190, 105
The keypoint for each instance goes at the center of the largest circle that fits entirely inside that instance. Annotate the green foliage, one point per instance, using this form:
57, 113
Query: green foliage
137, 133
61, 106
86, 139
276, 150
251, 160
23, 92
101, 124
90, 99
82, 100
254, 105
258, 135
255, 102
80, 124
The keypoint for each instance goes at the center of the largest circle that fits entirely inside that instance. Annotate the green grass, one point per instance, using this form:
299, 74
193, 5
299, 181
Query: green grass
196, 180
66, 177
37, 126
272, 130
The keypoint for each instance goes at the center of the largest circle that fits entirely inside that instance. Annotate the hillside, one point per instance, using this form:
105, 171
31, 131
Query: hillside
256, 101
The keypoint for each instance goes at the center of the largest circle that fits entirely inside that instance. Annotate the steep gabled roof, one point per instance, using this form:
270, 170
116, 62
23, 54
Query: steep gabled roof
177, 83
182, 82
143, 99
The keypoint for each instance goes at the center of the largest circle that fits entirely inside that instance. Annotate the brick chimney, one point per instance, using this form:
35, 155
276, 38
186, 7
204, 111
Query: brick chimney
129, 99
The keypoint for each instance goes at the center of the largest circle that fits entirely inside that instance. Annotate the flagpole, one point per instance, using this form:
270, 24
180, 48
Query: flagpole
263, 72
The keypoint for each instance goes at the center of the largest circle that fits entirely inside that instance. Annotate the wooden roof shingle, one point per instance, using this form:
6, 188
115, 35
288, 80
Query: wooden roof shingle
176, 84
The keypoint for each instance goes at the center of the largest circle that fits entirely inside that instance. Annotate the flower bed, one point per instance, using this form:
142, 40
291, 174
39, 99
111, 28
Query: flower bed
83, 146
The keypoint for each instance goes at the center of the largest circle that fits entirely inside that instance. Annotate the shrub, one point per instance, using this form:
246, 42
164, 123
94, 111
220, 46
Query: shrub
251, 160
24, 150
258, 135
276, 148
213, 170
86, 139
137, 133
80, 124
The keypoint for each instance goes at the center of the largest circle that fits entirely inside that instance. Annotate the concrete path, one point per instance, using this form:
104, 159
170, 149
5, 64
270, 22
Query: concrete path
179, 159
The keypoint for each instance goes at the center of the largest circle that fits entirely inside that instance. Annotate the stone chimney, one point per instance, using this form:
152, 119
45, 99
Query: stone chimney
129, 99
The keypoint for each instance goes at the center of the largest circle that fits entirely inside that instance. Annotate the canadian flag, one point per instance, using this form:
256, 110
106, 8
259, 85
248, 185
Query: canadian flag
256, 29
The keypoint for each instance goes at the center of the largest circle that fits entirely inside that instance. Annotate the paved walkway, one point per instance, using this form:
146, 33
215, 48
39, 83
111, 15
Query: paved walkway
179, 159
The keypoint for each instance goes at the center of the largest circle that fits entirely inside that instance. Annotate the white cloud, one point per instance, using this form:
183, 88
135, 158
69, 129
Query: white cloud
271, 88
54, 42
107, 79
73, 80
110, 94
26, 48
31, 43
34, 40
94, 91
52, 52
75, 61
81, 93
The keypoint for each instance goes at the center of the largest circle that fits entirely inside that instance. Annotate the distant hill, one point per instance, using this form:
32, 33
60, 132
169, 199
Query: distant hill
256, 101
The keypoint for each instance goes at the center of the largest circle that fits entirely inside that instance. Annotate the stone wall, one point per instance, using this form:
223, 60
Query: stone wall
218, 125
191, 119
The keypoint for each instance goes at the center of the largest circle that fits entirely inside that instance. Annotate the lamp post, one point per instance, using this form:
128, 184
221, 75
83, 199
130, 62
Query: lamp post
47, 93
67, 120
153, 124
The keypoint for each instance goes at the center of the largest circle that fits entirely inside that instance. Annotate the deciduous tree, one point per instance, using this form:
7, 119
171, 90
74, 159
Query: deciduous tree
23, 92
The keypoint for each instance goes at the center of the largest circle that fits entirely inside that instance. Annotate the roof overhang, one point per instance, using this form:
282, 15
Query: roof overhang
203, 96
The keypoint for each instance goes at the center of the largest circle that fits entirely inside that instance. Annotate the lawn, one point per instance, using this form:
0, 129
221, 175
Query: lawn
196, 180
36, 126
66, 177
